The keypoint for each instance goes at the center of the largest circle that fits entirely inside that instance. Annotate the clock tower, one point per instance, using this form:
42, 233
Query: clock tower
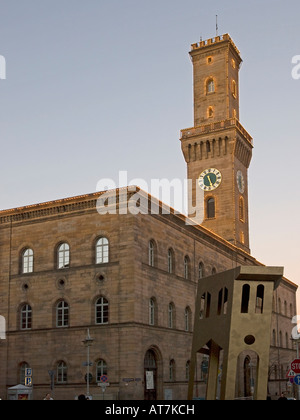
218, 149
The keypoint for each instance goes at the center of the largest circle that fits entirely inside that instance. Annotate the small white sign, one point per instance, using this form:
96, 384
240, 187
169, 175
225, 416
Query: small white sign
149, 380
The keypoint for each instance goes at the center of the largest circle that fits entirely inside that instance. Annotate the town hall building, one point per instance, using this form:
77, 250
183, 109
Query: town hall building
131, 279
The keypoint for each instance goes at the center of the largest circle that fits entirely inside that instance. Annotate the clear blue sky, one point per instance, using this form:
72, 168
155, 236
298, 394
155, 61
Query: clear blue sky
98, 86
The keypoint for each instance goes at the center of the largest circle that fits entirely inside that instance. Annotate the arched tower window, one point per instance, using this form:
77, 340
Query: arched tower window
210, 86
210, 112
242, 209
210, 208
234, 89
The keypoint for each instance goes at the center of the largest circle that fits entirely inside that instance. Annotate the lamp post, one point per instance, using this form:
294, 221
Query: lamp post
88, 341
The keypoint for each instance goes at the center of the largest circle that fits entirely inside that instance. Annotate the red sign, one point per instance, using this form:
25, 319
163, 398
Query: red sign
295, 366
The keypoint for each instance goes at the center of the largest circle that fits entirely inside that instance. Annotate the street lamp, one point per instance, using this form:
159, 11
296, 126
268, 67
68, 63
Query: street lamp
88, 342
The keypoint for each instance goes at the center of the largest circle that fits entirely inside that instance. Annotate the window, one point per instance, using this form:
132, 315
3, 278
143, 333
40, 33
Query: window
172, 370
23, 367
242, 209
209, 60
26, 317
27, 261
202, 306
210, 112
225, 304
101, 369
200, 271
187, 319
102, 311
62, 314
242, 237
61, 373
186, 266
187, 370
102, 251
233, 89
260, 299
152, 308
171, 315
210, 208
63, 256
208, 301
171, 261
220, 301
151, 253
245, 299
210, 86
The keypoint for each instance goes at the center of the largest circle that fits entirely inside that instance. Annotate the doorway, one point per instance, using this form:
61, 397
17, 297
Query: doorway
150, 376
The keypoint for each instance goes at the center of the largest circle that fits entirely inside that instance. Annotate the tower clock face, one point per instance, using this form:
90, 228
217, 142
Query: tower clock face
240, 182
210, 179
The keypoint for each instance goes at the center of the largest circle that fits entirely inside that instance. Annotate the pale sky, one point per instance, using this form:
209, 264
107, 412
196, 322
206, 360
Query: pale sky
98, 86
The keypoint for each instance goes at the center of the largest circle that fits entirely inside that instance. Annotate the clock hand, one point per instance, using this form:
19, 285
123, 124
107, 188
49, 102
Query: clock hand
209, 180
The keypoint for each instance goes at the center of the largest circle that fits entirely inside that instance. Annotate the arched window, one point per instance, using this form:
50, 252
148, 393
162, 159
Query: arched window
279, 306
172, 367
171, 261
285, 308
187, 319
26, 317
187, 370
186, 267
200, 271
233, 88
241, 209
151, 253
101, 369
102, 251
62, 314
210, 112
63, 256
171, 315
102, 311
210, 86
152, 311
210, 208
27, 261
61, 373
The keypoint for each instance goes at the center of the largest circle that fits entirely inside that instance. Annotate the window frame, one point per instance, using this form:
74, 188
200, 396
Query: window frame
61, 373
62, 314
27, 261
63, 256
101, 311
26, 317
102, 249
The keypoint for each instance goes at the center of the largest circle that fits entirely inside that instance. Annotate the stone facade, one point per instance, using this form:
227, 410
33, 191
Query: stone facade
128, 281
